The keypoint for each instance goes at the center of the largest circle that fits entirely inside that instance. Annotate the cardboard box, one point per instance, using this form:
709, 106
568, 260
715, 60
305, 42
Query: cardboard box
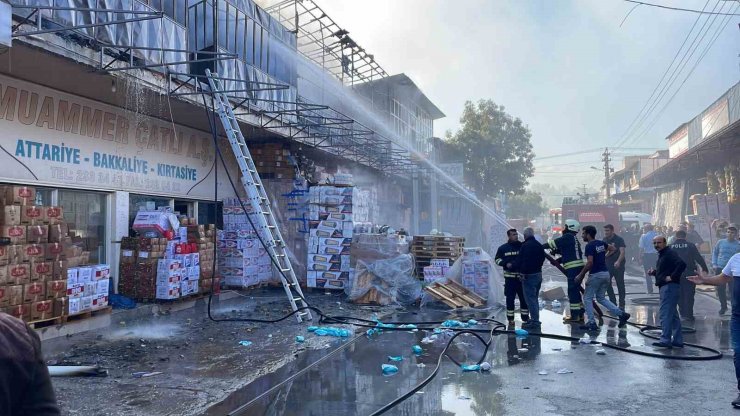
11, 215
16, 233
4, 257
100, 272
15, 294
75, 290
58, 232
61, 306
53, 215
84, 275
103, 287
34, 292
4, 275
74, 306
86, 303
54, 251
168, 291
56, 289
19, 274
59, 270
4, 296
22, 311
32, 214
37, 234
20, 195
42, 310
555, 293
33, 252
99, 301
41, 270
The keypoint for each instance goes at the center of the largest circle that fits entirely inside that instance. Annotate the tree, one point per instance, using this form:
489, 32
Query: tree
495, 148
527, 206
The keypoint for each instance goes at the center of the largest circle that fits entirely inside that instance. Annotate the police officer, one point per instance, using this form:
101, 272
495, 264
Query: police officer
571, 258
505, 256
690, 255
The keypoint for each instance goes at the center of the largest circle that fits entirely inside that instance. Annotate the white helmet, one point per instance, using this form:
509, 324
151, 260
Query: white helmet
572, 226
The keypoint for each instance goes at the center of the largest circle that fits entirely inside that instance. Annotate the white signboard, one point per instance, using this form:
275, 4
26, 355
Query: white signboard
453, 170
678, 142
715, 118
57, 138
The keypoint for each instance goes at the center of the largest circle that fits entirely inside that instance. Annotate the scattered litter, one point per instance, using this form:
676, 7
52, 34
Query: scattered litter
555, 304
331, 331
521, 332
542, 372
463, 397
391, 358
312, 328
601, 351
452, 323
472, 322
245, 343
299, 338
471, 367
438, 331
269, 336
419, 392
485, 366
416, 349
389, 369
143, 374
429, 340
565, 371
409, 326
421, 365
382, 325
522, 350
584, 340
372, 331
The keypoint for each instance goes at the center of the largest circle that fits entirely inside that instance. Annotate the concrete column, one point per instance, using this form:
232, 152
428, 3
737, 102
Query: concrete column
435, 200
415, 203
119, 229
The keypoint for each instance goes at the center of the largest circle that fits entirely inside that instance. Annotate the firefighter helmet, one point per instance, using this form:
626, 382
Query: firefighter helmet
572, 226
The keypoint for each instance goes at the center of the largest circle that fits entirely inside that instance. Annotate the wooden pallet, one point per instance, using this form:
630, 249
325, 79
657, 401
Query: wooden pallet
437, 238
454, 295
86, 315
43, 323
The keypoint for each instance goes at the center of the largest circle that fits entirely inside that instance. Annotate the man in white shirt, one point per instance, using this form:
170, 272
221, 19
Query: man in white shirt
730, 272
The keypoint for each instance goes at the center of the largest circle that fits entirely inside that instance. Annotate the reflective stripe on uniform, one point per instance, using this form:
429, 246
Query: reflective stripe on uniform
552, 244
576, 306
573, 264
509, 312
510, 274
498, 261
524, 311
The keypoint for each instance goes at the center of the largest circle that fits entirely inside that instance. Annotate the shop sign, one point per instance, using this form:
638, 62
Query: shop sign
715, 118
678, 142
57, 138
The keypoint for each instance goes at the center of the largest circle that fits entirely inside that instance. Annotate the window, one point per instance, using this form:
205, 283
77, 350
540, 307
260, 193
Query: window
143, 203
211, 213
85, 213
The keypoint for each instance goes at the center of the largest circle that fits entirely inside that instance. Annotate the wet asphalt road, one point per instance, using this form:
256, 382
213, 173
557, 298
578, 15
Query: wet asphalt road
618, 383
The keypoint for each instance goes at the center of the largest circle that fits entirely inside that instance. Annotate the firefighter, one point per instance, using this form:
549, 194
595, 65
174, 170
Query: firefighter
571, 258
505, 256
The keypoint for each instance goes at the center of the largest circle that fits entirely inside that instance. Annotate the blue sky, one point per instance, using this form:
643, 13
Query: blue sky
566, 68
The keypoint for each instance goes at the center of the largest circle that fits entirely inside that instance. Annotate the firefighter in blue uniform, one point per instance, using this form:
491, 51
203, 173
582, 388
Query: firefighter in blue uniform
505, 256
571, 258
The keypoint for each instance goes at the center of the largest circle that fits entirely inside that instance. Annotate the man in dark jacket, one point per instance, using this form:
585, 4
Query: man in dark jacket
668, 271
529, 265
25, 386
690, 255
505, 256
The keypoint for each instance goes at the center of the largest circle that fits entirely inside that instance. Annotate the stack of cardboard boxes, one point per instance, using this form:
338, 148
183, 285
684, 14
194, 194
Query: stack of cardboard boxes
436, 270
476, 271
158, 268
272, 160
331, 228
242, 261
44, 272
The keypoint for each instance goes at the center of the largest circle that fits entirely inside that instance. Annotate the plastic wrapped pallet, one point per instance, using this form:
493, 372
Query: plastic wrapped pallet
384, 281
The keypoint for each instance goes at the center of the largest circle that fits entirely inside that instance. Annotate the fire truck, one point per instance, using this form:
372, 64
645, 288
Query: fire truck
594, 214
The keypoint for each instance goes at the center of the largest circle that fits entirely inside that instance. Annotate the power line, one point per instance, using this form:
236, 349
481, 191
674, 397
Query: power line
680, 9
596, 149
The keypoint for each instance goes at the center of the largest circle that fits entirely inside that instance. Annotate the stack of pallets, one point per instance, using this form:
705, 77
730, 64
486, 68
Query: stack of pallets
428, 247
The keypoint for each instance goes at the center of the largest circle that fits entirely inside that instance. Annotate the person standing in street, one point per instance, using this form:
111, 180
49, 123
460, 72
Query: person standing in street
723, 251
692, 236
505, 256
731, 271
598, 279
571, 258
648, 256
528, 264
668, 271
25, 386
615, 264
690, 255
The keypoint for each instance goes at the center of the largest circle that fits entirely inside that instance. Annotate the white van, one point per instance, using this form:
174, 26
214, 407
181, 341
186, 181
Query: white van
627, 219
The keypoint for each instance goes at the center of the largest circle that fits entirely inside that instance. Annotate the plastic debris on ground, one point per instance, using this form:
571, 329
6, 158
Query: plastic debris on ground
438, 330
372, 331
470, 367
452, 323
382, 325
421, 365
472, 322
392, 358
299, 338
144, 374
331, 331
485, 366
429, 340
584, 340
389, 369
245, 343
601, 351
555, 304
565, 371
416, 349
312, 328
521, 332
542, 372
409, 326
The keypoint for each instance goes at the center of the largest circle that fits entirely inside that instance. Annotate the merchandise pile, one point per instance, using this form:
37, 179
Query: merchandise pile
242, 261
44, 271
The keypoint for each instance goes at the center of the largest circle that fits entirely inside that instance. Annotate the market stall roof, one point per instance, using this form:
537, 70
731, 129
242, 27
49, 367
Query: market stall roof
714, 152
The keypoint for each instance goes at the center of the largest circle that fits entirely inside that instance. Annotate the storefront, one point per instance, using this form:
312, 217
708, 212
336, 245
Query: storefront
102, 163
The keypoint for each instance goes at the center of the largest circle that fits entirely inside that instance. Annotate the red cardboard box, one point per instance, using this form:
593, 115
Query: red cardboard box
37, 234
61, 307
16, 233
41, 270
58, 232
4, 296
19, 274
4, 258
20, 195
54, 215
56, 289
34, 292
14, 294
32, 214
43, 309
59, 269
34, 252
4, 275
22, 311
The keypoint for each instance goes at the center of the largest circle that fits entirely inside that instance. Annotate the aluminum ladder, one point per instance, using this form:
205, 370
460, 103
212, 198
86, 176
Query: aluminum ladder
261, 215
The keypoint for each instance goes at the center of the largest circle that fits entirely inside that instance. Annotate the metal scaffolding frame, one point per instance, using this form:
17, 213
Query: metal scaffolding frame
324, 42
315, 125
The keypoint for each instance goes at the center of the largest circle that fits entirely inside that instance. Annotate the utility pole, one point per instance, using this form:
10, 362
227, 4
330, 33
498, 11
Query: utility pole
606, 159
